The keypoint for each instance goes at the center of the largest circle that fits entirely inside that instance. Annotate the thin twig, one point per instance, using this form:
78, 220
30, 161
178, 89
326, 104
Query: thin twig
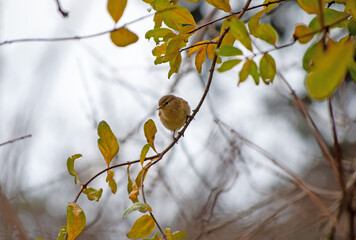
15, 140
60, 9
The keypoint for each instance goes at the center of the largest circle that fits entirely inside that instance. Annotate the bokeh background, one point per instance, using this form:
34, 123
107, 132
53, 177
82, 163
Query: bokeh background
213, 184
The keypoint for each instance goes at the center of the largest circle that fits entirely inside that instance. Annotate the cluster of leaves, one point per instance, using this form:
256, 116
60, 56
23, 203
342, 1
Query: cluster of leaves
109, 148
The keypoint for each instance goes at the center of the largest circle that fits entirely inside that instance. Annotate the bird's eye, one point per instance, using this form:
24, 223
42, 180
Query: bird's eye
166, 103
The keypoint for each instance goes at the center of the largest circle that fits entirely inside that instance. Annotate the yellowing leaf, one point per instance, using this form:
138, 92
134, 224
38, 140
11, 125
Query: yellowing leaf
130, 187
142, 227
107, 142
155, 237
271, 6
139, 206
239, 31
303, 34
150, 131
200, 59
116, 8
331, 17
267, 68
254, 22
221, 4
249, 68
229, 64
70, 167
111, 181
144, 152
157, 34
228, 51
351, 6
329, 70
313, 52
197, 47
75, 220
262, 31
93, 194
178, 235
352, 70
211, 48
62, 233
310, 6
123, 37
174, 63
229, 39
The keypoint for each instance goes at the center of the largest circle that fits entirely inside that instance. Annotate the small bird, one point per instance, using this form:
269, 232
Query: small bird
173, 112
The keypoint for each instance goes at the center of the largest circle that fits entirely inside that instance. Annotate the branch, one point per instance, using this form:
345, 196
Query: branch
15, 140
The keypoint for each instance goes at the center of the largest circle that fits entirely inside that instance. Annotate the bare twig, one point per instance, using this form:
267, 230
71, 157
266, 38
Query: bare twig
15, 140
60, 9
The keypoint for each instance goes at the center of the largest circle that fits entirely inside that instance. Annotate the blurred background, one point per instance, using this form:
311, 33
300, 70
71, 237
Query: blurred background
216, 183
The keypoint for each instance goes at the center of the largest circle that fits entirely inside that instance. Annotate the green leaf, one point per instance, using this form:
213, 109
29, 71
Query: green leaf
228, 51
229, 64
116, 8
107, 142
262, 31
75, 220
329, 70
157, 34
313, 52
331, 17
303, 34
70, 167
267, 68
144, 152
142, 227
93, 194
249, 68
62, 233
220, 4
174, 64
351, 26
310, 6
138, 206
178, 235
123, 37
239, 31
150, 131
111, 181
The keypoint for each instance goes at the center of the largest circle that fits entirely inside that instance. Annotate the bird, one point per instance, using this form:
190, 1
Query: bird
173, 112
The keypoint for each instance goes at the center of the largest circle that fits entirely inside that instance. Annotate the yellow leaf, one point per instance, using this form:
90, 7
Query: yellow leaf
310, 6
174, 63
263, 31
196, 47
303, 34
178, 235
75, 220
116, 8
123, 37
267, 68
249, 68
221, 4
329, 70
107, 142
210, 50
111, 181
142, 227
144, 152
239, 31
150, 131
70, 167
93, 194
351, 6
200, 59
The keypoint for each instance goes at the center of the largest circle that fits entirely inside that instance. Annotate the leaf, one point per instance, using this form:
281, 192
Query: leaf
228, 51
150, 131
62, 233
249, 68
70, 167
254, 22
229, 64
142, 227
178, 235
123, 37
111, 181
267, 68
267, 33
351, 26
174, 65
155, 237
351, 7
329, 70
303, 34
107, 142
157, 34
200, 59
196, 47
75, 220
220, 4
93, 194
313, 52
239, 31
352, 70
271, 6
310, 6
210, 50
139, 206
330, 16
144, 152
174, 16
116, 8
130, 186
